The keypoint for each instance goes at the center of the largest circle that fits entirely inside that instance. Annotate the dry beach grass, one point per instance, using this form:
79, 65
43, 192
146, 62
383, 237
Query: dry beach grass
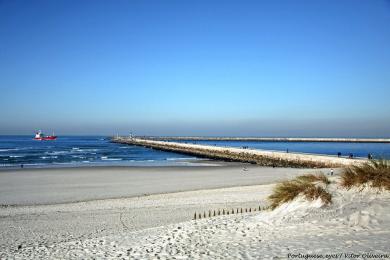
374, 173
306, 185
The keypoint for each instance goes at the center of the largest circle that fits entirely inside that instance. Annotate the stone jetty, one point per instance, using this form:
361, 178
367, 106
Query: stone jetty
260, 157
269, 139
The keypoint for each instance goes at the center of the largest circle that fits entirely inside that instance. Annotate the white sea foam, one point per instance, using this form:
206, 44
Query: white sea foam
57, 152
181, 158
78, 156
111, 159
48, 157
11, 149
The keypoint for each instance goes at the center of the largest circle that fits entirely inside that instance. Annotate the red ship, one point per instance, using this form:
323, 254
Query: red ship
41, 137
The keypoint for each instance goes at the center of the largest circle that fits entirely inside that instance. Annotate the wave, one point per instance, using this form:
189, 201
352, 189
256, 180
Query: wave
111, 159
78, 156
181, 158
57, 152
10, 149
48, 157
85, 150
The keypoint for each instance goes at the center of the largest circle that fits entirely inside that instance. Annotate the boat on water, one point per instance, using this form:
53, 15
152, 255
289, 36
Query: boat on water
41, 137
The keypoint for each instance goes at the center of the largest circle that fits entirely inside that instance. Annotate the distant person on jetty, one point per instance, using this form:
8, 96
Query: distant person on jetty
287, 150
338, 154
369, 156
350, 155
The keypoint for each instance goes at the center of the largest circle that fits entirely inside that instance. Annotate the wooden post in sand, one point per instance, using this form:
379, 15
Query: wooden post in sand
204, 214
223, 212
209, 213
200, 216
195, 216
241, 210
214, 213
259, 208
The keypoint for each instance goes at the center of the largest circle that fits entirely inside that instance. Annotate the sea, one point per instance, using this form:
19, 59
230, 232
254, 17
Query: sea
77, 151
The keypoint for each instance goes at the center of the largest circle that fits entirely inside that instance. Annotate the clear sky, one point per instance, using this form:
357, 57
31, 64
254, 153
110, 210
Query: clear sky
257, 68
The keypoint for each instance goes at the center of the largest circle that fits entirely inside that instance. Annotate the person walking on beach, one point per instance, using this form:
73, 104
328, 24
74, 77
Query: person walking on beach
331, 172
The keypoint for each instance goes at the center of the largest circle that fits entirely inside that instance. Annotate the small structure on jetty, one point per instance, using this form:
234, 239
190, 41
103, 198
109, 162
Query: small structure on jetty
260, 157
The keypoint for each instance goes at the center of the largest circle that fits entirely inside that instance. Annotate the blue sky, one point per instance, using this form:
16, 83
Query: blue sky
258, 68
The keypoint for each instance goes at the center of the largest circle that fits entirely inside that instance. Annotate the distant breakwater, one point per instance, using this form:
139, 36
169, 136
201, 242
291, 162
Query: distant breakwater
260, 157
269, 139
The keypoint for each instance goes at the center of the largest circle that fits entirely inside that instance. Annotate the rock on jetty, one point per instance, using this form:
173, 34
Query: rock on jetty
260, 157
270, 139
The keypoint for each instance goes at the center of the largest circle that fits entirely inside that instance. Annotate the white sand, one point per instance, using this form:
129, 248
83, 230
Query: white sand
152, 227
48, 186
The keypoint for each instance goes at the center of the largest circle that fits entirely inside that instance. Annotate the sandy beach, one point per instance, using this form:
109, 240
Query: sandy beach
65, 185
49, 206
104, 219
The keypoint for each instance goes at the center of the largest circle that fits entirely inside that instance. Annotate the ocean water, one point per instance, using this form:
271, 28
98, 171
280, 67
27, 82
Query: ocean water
68, 151
378, 150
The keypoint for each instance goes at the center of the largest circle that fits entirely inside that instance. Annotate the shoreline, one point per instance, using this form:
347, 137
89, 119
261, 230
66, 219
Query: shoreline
200, 162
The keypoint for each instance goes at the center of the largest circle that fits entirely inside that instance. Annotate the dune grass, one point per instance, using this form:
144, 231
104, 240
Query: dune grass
374, 173
306, 185
315, 178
